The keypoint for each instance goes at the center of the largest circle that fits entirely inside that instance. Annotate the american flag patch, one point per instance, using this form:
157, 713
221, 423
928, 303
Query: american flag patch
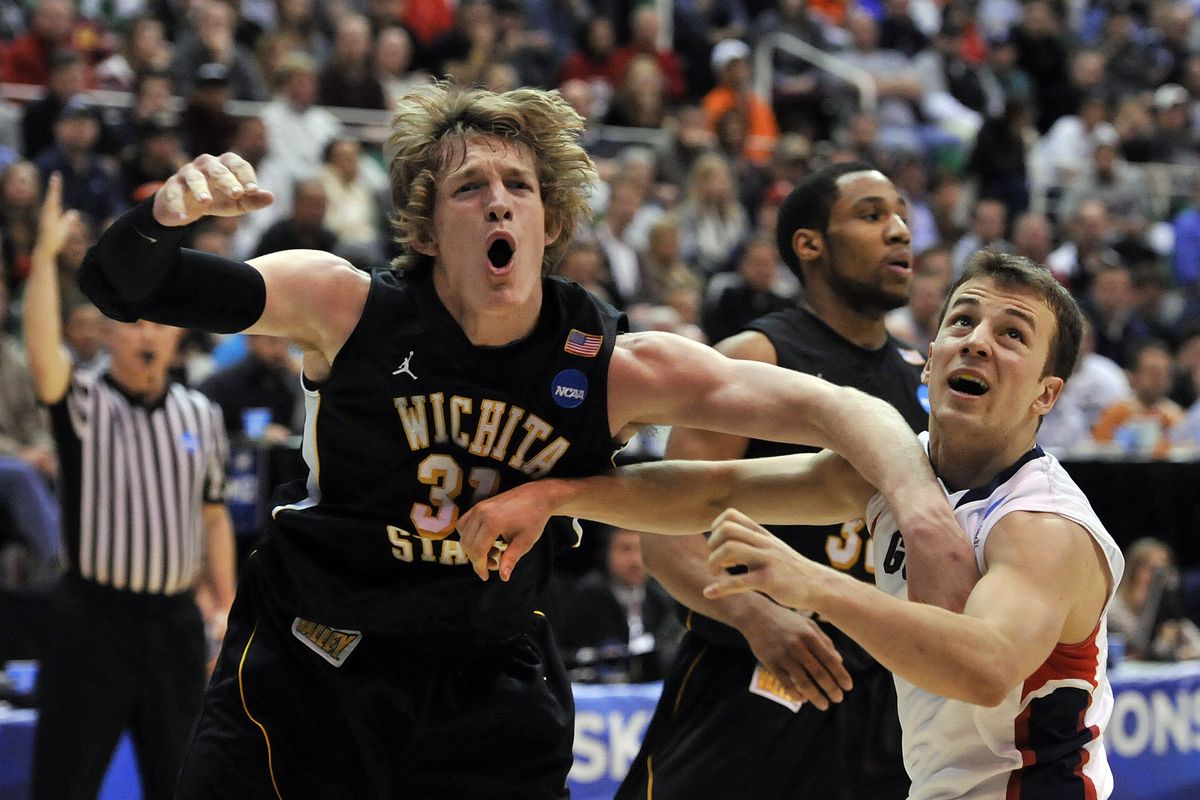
583, 344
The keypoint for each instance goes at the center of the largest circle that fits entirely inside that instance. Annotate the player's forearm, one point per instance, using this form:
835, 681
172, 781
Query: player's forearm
138, 270
670, 497
946, 653
680, 564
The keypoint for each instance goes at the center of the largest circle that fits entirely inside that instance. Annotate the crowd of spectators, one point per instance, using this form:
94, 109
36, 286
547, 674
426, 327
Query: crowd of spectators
1064, 130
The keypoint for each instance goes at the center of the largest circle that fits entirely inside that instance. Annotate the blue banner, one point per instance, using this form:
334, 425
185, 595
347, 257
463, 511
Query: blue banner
1153, 738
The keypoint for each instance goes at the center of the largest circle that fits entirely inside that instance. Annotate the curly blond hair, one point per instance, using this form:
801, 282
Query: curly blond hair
428, 132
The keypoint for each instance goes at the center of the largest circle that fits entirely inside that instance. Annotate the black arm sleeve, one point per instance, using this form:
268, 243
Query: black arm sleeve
137, 270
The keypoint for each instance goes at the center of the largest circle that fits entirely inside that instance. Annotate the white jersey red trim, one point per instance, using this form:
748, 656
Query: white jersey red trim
1045, 740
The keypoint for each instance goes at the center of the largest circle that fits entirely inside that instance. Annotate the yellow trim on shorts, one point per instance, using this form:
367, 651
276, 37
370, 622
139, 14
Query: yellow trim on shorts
683, 686
266, 738
649, 777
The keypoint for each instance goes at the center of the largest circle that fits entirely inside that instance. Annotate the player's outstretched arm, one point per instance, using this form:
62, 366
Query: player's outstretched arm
138, 270
1046, 583
667, 497
658, 378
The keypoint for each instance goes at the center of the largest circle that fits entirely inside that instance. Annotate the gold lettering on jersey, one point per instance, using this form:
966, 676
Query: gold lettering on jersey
438, 403
458, 407
488, 434
514, 416
536, 428
447, 552
332, 644
490, 414
401, 543
416, 429
544, 461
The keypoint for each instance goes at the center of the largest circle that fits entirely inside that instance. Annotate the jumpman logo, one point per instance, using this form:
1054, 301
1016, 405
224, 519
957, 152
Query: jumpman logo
404, 367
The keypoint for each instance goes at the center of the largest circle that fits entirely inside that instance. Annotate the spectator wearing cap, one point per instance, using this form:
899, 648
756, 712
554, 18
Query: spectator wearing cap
1174, 138
731, 64
208, 127
297, 129
87, 184
67, 79
213, 42
347, 80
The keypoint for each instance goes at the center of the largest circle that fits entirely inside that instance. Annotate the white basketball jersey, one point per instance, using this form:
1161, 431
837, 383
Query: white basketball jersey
1045, 739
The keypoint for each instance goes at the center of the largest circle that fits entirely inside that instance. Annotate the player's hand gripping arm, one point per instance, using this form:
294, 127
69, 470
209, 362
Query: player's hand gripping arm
659, 378
1046, 583
683, 497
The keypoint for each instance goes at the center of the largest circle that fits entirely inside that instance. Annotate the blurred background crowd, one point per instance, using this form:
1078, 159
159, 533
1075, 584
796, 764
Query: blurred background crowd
1066, 131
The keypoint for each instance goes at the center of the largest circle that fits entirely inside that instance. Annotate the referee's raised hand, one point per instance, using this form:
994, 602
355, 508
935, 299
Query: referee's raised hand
217, 186
54, 225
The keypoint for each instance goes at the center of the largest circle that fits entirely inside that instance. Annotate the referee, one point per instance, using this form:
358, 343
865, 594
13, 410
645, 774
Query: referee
149, 544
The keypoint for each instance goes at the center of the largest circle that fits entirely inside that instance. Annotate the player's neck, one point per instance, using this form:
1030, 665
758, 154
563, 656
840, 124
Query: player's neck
495, 324
865, 330
964, 459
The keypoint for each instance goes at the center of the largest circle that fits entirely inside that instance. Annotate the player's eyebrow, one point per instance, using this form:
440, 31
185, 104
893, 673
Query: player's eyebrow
880, 200
973, 302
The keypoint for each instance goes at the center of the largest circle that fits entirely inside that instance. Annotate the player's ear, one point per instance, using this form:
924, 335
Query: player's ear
423, 245
925, 372
808, 244
1052, 387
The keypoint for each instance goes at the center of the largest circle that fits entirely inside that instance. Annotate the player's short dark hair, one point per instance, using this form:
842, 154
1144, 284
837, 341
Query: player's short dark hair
1012, 271
809, 205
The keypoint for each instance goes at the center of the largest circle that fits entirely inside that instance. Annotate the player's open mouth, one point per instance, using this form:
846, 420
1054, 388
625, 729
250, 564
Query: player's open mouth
968, 384
500, 253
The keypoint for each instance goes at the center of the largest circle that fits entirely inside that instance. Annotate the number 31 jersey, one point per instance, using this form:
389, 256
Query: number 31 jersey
413, 426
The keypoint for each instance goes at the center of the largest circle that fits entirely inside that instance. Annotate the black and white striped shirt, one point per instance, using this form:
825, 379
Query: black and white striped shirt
135, 478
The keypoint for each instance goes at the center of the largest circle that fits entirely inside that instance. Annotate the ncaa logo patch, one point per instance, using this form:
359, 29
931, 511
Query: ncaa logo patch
923, 397
569, 388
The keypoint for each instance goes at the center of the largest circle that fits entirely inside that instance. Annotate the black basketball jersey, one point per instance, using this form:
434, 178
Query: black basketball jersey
412, 427
893, 373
